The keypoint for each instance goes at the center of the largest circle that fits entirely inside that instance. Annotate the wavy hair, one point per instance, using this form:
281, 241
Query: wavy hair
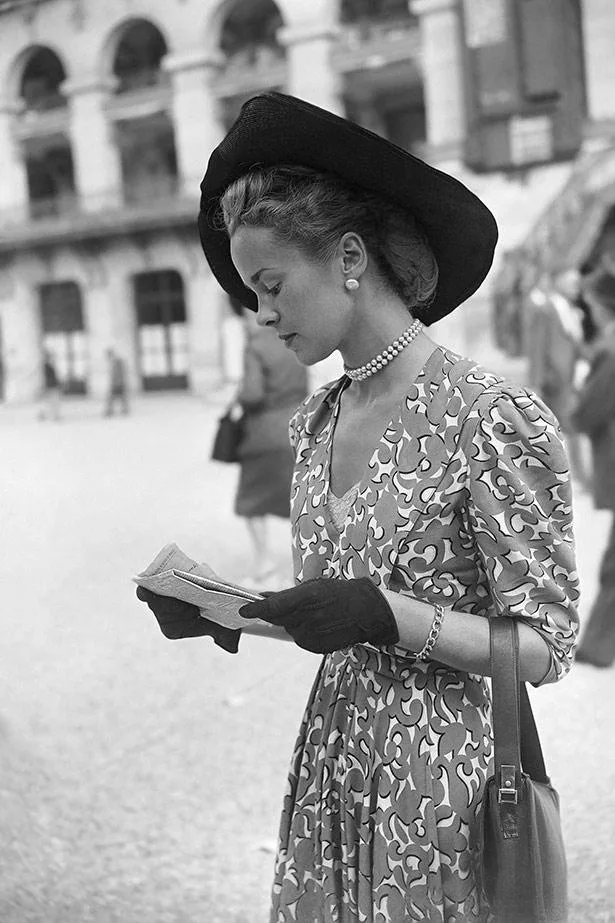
312, 210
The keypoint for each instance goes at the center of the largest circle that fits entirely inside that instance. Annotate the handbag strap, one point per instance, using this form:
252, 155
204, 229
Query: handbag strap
516, 740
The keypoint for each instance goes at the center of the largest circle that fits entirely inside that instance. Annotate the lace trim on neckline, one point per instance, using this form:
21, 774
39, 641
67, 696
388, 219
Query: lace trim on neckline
339, 507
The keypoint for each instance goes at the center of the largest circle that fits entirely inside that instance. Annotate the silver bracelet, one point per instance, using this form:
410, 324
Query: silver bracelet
434, 633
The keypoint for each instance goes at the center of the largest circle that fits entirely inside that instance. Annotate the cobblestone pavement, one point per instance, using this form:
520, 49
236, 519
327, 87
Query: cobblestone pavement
141, 780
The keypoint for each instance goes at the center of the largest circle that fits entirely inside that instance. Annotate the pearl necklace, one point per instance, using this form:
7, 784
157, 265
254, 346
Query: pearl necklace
387, 355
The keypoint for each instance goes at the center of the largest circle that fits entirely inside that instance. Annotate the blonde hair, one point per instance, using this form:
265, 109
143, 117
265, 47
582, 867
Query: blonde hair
312, 210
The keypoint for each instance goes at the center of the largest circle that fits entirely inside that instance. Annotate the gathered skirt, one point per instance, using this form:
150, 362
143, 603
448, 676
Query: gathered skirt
379, 817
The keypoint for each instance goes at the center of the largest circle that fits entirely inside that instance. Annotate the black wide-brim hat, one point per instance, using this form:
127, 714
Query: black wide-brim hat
277, 129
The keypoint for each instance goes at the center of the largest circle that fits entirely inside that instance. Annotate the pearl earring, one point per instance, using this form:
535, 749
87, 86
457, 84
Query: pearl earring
351, 284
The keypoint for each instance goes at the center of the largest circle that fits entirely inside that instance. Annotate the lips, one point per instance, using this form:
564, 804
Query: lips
286, 336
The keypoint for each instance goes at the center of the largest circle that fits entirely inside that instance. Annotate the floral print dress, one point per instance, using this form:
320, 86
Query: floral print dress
465, 502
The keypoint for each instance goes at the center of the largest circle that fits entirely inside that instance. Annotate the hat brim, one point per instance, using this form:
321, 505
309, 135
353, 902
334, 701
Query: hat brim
274, 128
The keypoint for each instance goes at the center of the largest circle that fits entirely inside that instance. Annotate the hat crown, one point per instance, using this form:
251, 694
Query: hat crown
273, 128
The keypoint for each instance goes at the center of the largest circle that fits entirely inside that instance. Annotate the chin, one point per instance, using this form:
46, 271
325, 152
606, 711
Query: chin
312, 354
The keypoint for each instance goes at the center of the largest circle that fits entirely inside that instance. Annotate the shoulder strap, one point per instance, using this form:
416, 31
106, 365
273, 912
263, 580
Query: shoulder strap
516, 740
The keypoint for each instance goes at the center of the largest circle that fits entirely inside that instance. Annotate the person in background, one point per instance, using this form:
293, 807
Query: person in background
556, 347
507, 300
51, 391
118, 384
594, 414
273, 384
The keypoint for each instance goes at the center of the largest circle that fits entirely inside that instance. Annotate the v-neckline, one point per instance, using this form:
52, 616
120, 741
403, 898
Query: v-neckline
394, 418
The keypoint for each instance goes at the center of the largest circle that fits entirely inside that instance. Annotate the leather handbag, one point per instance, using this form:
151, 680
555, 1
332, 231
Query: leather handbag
229, 434
522, 862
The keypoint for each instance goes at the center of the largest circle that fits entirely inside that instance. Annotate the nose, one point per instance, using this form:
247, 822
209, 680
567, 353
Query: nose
266, 316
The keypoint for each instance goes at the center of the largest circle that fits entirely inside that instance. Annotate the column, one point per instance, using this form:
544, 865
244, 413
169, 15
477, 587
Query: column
13, 178
21, 334
206, 308
96, 158
599, 37
443, 87
443, 77
197, 126
310, 73
110, 323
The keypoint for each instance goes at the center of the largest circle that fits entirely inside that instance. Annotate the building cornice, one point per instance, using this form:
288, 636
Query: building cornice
97, 226
424, 7
8, 6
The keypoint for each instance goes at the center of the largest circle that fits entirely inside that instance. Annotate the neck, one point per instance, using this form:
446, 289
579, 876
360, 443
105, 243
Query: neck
377, 320
393, 381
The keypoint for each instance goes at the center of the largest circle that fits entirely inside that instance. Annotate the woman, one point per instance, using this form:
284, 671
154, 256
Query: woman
594, 415
428, 496
273, 384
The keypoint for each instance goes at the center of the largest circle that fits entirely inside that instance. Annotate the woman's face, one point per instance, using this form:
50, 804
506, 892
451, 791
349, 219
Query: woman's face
302, 300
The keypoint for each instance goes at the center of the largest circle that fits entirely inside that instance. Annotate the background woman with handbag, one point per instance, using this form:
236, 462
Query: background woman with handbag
273, 385
429, 496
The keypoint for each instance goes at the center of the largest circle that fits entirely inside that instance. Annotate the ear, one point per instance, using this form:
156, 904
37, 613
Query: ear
353, 255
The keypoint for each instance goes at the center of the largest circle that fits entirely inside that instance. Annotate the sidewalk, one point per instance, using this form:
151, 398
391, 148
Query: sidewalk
142, 779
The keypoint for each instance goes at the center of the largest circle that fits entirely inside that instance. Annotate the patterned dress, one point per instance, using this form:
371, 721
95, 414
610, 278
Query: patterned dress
466, 502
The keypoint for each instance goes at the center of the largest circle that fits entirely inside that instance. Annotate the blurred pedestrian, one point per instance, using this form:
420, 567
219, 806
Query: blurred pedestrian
117, 392
51, 395
429, 496
507, 301
594, 414
273, 384
556, 348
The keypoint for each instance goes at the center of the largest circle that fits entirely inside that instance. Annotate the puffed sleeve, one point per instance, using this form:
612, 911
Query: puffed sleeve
520, 513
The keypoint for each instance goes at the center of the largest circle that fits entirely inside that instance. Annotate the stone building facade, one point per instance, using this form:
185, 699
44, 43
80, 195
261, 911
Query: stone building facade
108, 115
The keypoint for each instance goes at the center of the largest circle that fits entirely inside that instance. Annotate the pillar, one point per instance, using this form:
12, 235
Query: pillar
96, 158
443, 77
197, 127
310, 73
599, 41
21, 335
13, 179
206, 308
110, 323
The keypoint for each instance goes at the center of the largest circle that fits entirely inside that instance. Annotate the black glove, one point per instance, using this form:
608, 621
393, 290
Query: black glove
328, 614
178, 619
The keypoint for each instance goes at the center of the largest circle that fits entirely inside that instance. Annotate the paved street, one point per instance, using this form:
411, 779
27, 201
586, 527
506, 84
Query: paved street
141, 780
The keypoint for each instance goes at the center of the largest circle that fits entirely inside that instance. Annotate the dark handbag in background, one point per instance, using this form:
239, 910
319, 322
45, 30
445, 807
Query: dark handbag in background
228, 436
522, 862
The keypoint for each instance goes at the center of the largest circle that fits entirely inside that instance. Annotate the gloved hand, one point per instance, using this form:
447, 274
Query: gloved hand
178, 619
328, 614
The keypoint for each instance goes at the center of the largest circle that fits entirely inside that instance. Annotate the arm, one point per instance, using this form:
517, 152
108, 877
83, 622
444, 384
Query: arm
464, 642
518, 510
251, 392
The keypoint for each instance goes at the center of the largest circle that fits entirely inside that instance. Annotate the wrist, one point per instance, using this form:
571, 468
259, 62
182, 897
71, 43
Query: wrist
382, 626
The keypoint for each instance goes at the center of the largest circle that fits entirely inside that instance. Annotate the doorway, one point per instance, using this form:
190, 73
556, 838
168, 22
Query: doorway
162, 330
64, 335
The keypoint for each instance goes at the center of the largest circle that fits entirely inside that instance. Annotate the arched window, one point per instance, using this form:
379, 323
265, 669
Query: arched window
138, 58
249, 32
51, 180
42, 80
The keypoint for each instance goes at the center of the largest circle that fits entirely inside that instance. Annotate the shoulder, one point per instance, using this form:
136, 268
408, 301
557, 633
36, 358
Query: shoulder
508, 423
